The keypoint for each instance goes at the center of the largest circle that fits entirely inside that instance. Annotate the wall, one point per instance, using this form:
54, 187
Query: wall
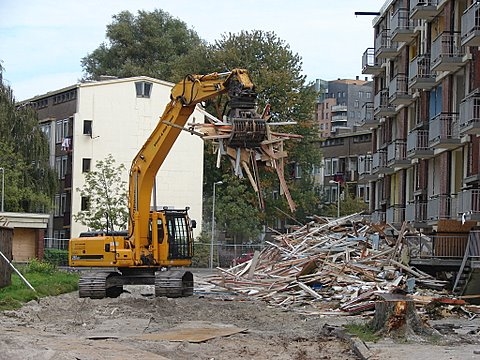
121, 124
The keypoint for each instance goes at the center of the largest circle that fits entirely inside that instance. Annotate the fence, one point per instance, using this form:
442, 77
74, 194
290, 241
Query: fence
55, 243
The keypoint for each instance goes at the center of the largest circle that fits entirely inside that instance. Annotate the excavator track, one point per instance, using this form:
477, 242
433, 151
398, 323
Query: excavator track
173, 283
95, 285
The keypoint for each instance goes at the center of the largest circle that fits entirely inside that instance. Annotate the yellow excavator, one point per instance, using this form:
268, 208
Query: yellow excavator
162, 239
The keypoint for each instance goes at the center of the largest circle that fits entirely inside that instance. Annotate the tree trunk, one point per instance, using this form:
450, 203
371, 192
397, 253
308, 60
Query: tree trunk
396, 316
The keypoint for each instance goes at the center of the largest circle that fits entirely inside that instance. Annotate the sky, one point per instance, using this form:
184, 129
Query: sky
43, 42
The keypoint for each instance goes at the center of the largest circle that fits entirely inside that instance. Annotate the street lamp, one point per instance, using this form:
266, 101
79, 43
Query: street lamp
213, 223
338, 195
3, 189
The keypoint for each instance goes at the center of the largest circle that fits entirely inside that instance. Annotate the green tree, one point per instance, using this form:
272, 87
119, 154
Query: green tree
30, 182
276, 72
107, 197
236, 211
151, 44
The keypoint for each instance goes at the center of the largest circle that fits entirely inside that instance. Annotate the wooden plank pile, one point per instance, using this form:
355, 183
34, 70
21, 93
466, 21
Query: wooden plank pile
331, 265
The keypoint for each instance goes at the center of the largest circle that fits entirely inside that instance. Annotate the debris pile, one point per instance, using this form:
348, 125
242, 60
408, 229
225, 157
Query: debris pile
337, 266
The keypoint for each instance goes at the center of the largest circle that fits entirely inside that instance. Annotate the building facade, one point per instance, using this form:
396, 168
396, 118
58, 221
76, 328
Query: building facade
342, 110
425, 163
87, 122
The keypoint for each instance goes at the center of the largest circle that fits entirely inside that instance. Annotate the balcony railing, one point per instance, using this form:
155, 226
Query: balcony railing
443, 131
370, 65
378, 217
384, 46
398, 91
379, 163
365, 168
339, 118
381, 104
417, 145
441, 206
438, 246
401, 26
447, 52
468, 204
339, 108
469, 117
395, 214
471, 25
367, 118
423, 9
420, 75
397, 154
416, 212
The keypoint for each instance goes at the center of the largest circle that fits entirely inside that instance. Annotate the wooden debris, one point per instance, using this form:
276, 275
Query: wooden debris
331, 263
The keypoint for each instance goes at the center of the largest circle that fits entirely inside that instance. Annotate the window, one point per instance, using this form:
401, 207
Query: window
357, 103
46, 130
334, 166
368, 94
360, 94
85, 203
86, 164
87, 127
61, 167
62, 129
57, 205
143, 89
328, 167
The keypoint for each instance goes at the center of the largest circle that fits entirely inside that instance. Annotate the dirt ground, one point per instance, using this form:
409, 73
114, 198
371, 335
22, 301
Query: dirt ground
208, 325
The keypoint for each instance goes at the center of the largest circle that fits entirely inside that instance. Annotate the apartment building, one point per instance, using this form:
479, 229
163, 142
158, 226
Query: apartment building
425, 161
88, 121
341, 109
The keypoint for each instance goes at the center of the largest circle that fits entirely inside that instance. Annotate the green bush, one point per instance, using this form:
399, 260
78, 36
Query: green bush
38, 266
56, 257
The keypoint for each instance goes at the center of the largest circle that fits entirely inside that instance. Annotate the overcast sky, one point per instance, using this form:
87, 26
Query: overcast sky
43, 41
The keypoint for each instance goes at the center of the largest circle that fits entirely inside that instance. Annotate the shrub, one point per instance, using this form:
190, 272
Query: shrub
56, 257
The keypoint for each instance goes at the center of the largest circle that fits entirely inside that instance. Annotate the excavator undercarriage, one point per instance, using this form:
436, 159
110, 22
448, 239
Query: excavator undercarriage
101, 284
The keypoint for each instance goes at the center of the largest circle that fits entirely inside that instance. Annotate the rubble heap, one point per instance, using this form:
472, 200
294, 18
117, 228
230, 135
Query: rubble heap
337, 266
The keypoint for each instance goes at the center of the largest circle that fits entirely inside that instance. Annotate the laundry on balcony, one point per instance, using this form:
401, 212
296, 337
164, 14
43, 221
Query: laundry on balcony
67, 144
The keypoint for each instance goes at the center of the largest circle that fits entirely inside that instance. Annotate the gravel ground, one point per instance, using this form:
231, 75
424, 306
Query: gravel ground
139, 325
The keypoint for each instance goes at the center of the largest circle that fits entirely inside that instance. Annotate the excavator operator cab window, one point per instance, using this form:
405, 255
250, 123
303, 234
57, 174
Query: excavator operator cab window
160, 231
178, 237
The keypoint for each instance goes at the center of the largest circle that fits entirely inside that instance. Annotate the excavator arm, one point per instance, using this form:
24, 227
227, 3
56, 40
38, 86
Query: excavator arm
185, 95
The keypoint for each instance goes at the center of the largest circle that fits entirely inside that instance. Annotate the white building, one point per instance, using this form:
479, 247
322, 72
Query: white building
86, 122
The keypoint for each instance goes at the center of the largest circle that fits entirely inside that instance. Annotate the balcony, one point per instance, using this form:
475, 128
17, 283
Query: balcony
397, 155
436, 246
447, 52
398, 91
443, 132
395, 215
469, 117
368, 120
441, 207
339, 108
417, 145
416, 213
402, 27
381, 104
468, 204
385, 48
420, 75
423, 9
471, 26
365, 168
378, 217
370, 65
379, 163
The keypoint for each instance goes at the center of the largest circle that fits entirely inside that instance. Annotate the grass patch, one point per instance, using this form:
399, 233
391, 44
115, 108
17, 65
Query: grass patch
45, 278
363, 331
